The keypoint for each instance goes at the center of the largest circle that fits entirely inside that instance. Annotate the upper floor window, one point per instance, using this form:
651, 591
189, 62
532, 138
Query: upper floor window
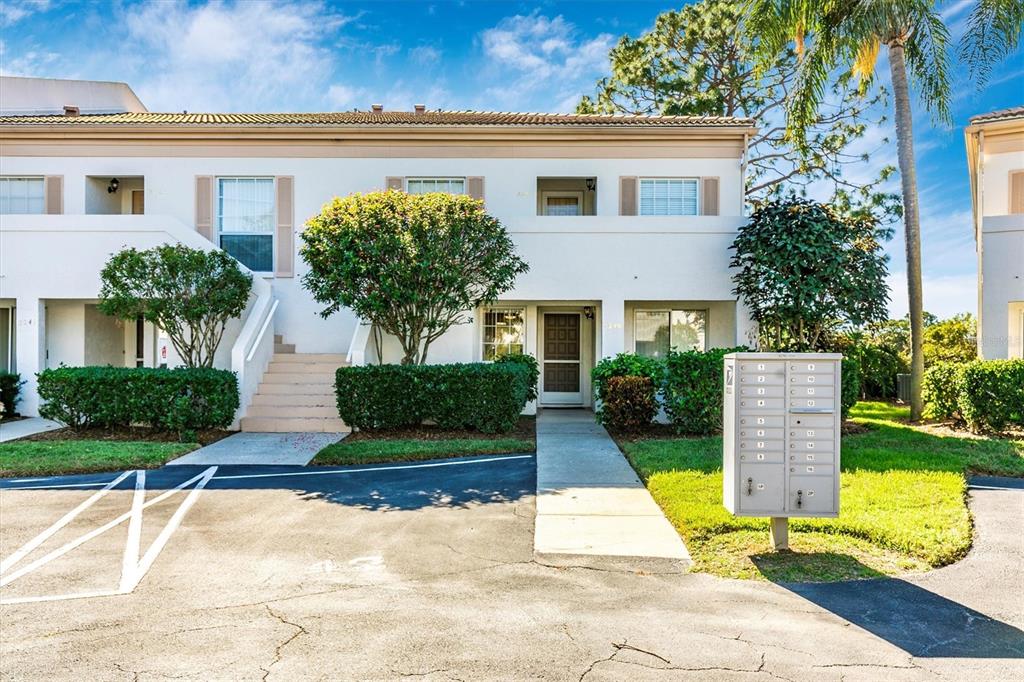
245, 220
426, 185
668, 196
656, 332
21, 195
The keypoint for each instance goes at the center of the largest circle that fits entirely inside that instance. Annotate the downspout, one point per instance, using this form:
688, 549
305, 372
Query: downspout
743, 174
979, 227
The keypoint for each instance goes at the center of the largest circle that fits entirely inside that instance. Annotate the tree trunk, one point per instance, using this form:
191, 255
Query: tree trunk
911, 222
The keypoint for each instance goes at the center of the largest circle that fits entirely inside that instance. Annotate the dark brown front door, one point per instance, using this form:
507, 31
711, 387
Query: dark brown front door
561, 359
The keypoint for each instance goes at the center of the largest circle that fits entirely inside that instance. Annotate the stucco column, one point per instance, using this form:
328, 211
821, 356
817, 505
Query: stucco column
613, 328
31, 350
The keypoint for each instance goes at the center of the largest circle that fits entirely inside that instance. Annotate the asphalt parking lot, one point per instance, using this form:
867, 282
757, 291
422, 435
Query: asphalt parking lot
427, 571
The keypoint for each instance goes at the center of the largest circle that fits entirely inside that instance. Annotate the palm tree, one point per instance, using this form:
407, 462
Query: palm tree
829, 34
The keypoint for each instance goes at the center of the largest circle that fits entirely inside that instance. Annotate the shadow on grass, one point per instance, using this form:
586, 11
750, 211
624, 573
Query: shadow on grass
787, 567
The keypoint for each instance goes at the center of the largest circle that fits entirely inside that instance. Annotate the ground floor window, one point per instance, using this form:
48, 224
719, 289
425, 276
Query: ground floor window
504, 332
655, 332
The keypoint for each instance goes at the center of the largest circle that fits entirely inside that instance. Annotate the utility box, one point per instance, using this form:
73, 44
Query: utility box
782, 419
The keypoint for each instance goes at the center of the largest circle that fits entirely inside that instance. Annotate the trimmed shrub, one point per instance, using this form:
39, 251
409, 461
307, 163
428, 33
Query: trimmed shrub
850, 373
624, 365
693, 387
941, 390
630, 403
487, 397
532, 369
992, 394
180, 399
10, 390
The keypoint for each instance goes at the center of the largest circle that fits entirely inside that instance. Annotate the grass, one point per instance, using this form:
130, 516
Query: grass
369, 451
903, 503
55, 457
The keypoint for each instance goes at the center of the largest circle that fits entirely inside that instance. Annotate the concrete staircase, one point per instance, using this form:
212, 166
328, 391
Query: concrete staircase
296, 393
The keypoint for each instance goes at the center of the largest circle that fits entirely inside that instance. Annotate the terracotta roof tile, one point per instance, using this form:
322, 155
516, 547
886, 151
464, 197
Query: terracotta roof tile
387, 118
1001, 115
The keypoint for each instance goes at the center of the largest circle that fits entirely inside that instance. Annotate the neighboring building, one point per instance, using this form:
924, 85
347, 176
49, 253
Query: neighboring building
624, 221
45, 96
995, 158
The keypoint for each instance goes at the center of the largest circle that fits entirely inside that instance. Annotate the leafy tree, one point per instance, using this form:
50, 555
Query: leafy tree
952, 340
700, 61
803, 269
189, 293
412, 265
831, 34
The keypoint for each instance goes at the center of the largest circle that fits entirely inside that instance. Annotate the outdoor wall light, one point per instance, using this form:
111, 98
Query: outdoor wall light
591, 184
588, 312
112, 187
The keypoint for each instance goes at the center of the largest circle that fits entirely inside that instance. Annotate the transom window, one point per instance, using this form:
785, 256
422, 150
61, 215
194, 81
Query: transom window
668, 196
21, 195
426, 185
245, 220
504, 331
656, 332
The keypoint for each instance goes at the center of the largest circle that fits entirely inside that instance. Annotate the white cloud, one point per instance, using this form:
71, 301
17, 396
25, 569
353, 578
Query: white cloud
13, 11
944, 295
341, 96
425, 55
34, 63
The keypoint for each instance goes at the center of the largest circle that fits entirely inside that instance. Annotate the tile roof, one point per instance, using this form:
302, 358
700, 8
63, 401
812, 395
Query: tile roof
387, 118
1001, 115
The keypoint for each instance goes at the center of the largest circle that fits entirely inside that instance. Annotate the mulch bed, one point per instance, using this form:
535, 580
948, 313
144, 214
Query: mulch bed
525, 429
203, 437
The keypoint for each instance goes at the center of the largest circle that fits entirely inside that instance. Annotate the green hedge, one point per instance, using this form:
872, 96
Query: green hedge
532, 370
941, 390
850, 392
986, 394
487, 397
630, 403
10, 389
180, 399
624, 365
693, 386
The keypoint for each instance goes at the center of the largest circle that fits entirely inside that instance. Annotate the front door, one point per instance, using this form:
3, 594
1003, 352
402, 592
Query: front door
561, 377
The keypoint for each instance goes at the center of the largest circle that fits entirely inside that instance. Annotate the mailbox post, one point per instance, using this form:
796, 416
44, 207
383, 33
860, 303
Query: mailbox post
781, 437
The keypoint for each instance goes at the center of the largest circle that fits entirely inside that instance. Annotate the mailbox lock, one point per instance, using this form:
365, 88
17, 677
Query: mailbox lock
750, 486
799, 499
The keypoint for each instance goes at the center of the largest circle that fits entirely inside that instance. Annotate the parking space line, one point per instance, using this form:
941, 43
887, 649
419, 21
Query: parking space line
285, 474
130, 562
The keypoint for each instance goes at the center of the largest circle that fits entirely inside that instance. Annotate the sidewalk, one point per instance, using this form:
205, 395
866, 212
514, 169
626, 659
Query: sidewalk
29, 426
261, 448
589, 500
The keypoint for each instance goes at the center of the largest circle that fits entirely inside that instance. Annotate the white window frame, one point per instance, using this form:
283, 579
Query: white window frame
218, 216
556, 194
483, 328
39, 178
669, 311
640, 193
436, 179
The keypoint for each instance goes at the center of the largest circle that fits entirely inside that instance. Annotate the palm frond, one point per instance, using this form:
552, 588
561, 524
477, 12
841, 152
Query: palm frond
928, 61
993, 32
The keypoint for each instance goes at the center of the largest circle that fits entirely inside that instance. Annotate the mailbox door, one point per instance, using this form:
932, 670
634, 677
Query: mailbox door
761, 488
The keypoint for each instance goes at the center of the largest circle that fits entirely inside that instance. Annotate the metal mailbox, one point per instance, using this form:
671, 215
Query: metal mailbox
781, 431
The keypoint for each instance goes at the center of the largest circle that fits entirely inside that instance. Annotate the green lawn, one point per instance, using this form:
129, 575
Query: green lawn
53, 457
903, 503
367, 451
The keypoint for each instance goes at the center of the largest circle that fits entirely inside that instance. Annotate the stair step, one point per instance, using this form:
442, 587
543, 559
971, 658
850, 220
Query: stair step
318, 411
304, 367
293, 424
284, 348
266, 388
337, 359
298, 378
278, 338
280, 400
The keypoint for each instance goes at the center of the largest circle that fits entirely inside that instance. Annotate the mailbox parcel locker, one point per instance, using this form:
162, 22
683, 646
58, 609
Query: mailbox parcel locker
781, 434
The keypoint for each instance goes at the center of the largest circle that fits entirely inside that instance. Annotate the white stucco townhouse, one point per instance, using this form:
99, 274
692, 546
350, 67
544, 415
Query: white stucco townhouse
625, 222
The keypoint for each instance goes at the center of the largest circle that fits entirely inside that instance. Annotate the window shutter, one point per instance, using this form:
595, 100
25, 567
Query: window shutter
285, 200
709, 196
1016, 192
393, 182
53, 194
204, 206
627, 195
475, 187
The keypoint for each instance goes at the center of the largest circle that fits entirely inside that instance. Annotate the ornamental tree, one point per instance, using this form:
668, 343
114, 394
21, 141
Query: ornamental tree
410, 264
189, 293
803, 269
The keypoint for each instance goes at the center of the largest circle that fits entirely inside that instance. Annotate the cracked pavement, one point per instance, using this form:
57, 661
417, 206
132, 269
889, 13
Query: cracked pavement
429, 574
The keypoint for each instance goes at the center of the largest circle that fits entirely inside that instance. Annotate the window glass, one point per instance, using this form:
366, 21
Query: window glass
562, 206
504, 332
688, 329
245, 220
21, 195
426, 185
655, 332
668, 196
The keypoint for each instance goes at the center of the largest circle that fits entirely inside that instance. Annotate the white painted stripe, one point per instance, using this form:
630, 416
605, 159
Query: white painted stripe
130, 562
61, 551
63, 521
26, 480
63, 485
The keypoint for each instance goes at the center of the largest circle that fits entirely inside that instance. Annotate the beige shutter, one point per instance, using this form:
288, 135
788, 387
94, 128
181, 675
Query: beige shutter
1016, 192
285, 257
475, 187
53, 194
628, 195
204, 205
393, 182
709, 196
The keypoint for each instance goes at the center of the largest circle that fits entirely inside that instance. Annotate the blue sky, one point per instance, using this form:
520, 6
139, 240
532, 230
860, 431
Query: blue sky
265, 55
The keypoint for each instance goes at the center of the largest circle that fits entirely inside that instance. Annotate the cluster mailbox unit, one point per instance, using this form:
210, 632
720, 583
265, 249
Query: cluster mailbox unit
781, 430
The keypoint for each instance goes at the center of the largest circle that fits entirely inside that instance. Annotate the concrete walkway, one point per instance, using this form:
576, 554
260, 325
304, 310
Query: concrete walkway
589, 499
261, 448
29, 426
